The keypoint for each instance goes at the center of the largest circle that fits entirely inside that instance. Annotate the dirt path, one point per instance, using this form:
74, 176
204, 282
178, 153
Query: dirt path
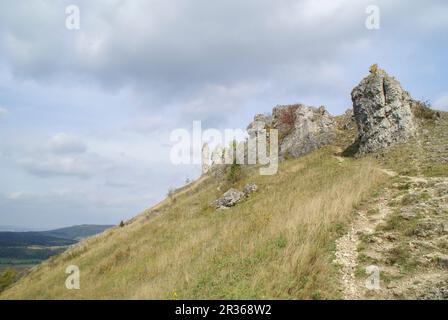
365, 224
347, 248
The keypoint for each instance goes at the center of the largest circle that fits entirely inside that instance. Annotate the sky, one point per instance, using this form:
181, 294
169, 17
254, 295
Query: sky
86, 114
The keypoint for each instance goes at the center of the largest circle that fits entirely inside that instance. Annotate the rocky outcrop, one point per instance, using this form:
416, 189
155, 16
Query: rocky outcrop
348, 121
301, 128
382, 114
382, 111
218, 166
312, 129
205, 155
261, 121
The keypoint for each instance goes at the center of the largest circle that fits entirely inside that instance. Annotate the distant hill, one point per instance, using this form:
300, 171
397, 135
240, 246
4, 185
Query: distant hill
18, 239
4, 228
28, 247
76, 232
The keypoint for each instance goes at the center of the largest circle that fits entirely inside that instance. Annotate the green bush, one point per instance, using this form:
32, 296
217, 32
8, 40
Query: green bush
8, 277
422, 110
234, 173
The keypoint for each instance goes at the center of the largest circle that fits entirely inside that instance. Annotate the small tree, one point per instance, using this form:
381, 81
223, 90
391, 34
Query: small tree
373, 68
288, 115
422, 110
121, 224
235, 169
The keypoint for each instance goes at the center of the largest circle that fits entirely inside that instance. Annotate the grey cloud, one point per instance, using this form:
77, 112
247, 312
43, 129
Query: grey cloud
151, 124
150, 66
172, 51
56, 166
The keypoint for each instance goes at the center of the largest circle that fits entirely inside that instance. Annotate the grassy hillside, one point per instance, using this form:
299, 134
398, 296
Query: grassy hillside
182, 248
283, 240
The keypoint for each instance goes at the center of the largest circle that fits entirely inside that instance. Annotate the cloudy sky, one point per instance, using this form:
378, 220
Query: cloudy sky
85, 115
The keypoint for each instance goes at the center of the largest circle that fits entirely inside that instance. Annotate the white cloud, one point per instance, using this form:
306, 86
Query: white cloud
150, 124
15, 195
56, 166
62, 143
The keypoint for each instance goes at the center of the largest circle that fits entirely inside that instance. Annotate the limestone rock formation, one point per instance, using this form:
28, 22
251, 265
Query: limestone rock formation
348, 121
301, 128
205, 155
261, 121
312, 129
382, 111
218, 166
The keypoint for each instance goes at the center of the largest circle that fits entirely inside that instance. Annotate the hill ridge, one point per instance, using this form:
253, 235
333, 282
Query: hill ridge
289, 227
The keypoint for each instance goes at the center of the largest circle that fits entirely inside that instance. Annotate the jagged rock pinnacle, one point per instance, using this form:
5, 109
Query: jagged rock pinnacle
382, 111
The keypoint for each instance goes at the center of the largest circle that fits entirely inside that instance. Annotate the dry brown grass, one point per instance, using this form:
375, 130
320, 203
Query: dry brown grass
277, 244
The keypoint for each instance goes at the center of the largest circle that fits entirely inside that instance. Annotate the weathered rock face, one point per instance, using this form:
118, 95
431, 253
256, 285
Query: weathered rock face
348, 121
261, 121
312, 128
205, 155
301, 128
218, 166
382, 111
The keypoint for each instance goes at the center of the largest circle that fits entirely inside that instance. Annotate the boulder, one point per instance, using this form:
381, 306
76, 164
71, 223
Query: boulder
230, 198
250, 188
382, 111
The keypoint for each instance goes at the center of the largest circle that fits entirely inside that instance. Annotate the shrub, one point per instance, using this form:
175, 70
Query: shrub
234, 173
121, 224
287, 115
373, 68
8, 277
170, 194
422, 110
